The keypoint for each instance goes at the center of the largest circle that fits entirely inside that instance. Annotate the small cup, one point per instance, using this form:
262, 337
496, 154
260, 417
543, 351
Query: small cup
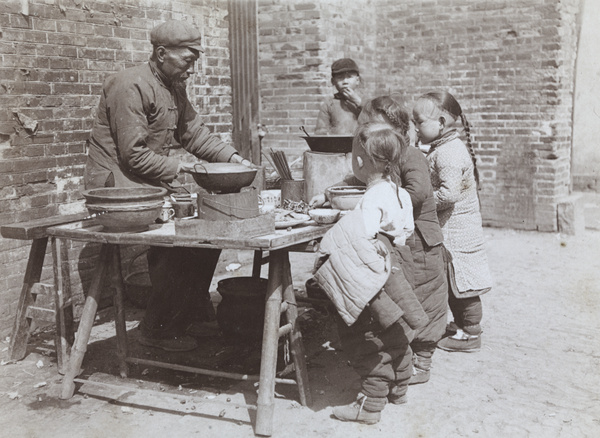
167, 212
292, 190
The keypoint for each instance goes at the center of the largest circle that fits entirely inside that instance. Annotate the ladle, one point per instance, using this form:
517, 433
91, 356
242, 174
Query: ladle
304, 130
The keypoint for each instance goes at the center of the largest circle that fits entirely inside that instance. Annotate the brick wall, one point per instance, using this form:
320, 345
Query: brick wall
510, 65
52, 64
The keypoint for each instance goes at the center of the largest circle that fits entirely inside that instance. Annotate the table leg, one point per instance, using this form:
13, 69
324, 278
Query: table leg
296, 344
21, 330
256, 264
85, 325
270, 342
63, 309
121, 328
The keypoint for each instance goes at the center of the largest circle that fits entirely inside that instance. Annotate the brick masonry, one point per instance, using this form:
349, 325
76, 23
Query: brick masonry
52, 64
509, 63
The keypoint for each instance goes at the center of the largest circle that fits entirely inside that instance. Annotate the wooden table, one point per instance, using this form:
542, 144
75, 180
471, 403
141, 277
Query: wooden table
280, 299
28, 312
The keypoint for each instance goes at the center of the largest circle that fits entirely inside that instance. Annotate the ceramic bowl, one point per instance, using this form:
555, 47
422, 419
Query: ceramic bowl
324, 216
345, 197
120, 209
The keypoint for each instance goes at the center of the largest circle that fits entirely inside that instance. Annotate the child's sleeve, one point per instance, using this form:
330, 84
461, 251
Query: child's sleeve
450, 176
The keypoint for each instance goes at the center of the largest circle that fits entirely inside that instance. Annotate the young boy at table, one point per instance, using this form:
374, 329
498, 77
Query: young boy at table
338, 114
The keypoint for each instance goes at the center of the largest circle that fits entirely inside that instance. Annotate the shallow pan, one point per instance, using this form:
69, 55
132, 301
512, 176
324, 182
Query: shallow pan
329, 143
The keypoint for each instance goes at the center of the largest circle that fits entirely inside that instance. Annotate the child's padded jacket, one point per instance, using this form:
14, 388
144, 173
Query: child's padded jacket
352, 266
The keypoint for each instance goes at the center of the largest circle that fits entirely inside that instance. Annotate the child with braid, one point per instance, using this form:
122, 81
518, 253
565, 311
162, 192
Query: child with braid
430, 284
455, 179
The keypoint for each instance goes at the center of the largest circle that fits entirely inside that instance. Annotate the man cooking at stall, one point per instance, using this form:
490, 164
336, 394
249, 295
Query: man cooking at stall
144, 112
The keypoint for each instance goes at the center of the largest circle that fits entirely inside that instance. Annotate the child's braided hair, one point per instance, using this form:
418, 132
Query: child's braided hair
446, 102
384, 144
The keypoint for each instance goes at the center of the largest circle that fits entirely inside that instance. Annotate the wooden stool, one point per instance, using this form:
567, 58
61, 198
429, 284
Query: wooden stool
27, 311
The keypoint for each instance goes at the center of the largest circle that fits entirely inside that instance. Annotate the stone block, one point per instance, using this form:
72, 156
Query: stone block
570, 214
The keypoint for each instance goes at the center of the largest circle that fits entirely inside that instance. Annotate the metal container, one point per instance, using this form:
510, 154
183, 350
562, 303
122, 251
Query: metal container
223, 177
329, 143
241, 312
125, 209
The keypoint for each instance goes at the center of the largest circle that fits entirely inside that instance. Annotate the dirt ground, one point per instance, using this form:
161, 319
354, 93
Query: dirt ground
537, 375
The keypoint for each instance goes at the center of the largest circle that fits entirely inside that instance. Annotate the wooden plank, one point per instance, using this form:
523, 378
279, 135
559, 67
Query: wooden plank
134, 394
164, 235
42, 289
40, 314
36, 229
235, 229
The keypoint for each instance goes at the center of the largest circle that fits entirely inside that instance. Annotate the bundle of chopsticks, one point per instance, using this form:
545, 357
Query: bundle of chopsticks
279, 162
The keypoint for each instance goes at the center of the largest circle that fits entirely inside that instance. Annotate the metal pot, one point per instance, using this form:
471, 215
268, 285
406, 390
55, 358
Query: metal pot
241, 312
125, 209
223, 177
329, 143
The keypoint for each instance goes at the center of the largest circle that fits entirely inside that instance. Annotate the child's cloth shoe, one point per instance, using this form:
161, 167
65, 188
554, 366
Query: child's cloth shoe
398, 399
451, 329
419, 376
461, 341
356, 412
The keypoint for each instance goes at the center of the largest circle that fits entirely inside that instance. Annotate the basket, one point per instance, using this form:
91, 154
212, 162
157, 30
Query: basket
137, 283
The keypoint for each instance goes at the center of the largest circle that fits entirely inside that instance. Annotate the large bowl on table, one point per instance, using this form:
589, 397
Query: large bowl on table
223, 177
345, 197
329, 143
125, 209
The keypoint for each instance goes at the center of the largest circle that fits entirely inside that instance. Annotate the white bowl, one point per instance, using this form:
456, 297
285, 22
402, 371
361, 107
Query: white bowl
345, 197
324, 215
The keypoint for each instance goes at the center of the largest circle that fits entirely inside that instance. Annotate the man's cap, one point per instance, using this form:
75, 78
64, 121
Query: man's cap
343, 65
175, 33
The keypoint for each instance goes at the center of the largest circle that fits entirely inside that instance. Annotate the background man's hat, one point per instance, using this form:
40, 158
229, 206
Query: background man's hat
343, 65
175, 33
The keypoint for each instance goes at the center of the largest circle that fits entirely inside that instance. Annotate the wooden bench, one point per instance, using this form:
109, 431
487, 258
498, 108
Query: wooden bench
27, 311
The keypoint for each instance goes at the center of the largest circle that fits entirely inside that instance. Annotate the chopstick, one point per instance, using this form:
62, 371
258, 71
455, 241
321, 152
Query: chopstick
281, 164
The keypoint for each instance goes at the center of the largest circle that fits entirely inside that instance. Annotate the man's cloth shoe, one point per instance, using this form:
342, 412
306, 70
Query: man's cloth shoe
182, 343
419, 376
461, 341
355, 412
203, 329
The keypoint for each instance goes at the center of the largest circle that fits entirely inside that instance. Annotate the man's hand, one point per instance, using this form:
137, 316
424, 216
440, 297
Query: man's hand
235, 158
185, 166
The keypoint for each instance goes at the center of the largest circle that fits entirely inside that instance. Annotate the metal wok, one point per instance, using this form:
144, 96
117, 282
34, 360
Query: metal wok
223, 177
329, 143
